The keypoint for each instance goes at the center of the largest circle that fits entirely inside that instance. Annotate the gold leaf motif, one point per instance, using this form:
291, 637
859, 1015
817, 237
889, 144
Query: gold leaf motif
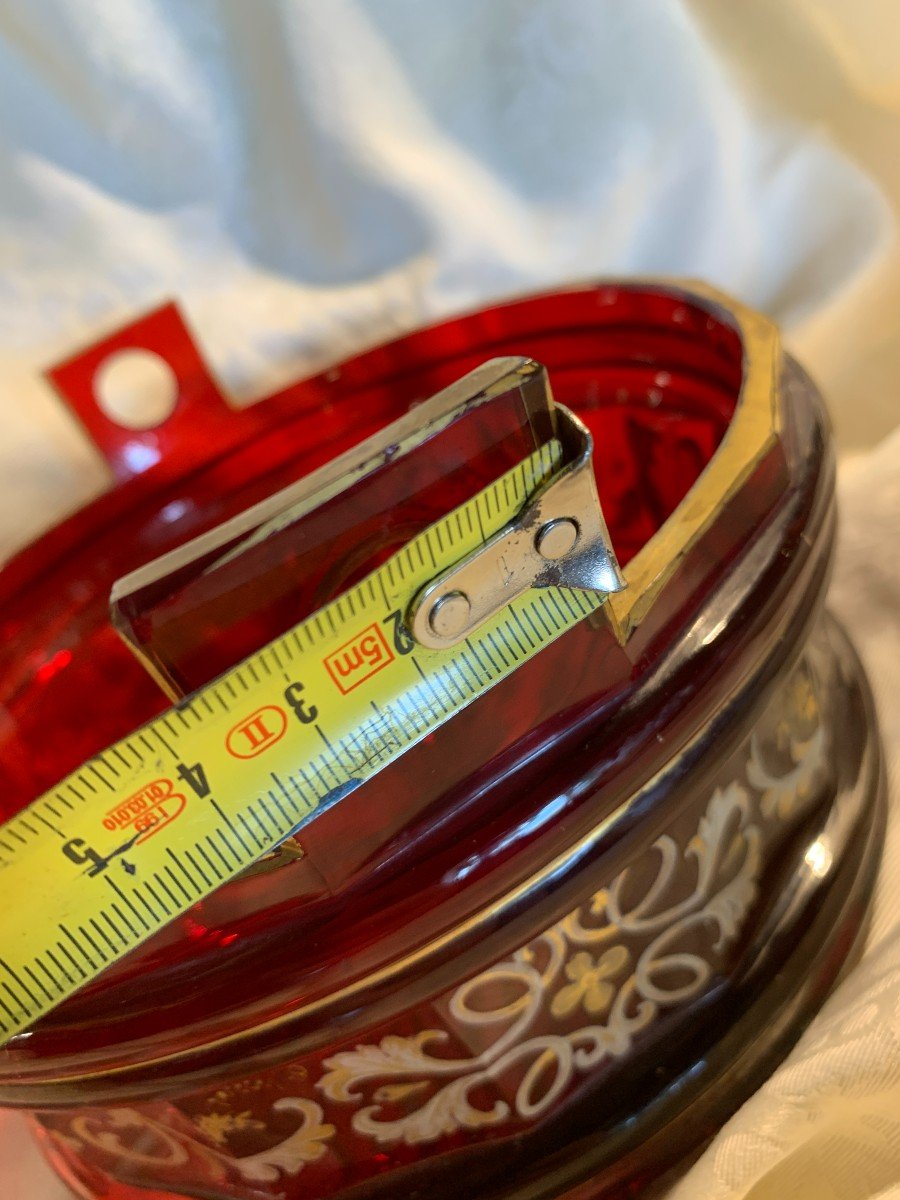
217, 1126
590, 984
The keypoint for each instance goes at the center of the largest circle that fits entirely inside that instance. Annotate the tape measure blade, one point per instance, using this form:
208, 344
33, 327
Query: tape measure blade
138, 835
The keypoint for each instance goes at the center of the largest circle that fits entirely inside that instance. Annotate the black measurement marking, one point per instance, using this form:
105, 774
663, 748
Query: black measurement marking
583, 602
310, 801
20, 983
184, 870
498, 650
330, 748
485, 676
526, 616
163, 741
78, 946
415, 702
212, 866
412, 715
464, 659
106, 783
514, 637
280, 807
177, 882
533, 645
314, 767
102, 934
535, 614
384, 595
279, 783
197, 869
49, 824
438, 679
227, 820
61, 969
428, 684
159, 900
563, 604
464, 683
430, 549
21, 1007
154, 916
358, 755
76, 965
123, 917
267, 837
260, 800
464, 692
550, 599
113, 926
485, 650
485, 501
87, 937
121, 757
215, 849
115, 887
57, 986
259, 845
103, 760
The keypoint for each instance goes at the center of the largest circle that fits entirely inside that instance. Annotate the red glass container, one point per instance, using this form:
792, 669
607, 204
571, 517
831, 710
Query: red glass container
549, 950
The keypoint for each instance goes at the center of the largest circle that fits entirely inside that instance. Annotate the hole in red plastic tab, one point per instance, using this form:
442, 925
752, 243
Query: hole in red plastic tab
136, 388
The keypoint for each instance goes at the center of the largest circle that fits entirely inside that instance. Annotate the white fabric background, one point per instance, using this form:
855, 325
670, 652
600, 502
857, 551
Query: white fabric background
307, 178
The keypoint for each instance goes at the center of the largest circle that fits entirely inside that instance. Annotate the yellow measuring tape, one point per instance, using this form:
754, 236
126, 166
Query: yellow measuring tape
157, 822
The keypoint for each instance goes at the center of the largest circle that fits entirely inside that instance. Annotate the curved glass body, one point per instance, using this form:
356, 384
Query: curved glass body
601, 900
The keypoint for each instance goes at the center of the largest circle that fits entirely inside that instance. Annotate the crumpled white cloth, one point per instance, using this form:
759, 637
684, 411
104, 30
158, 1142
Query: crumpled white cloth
308, 178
